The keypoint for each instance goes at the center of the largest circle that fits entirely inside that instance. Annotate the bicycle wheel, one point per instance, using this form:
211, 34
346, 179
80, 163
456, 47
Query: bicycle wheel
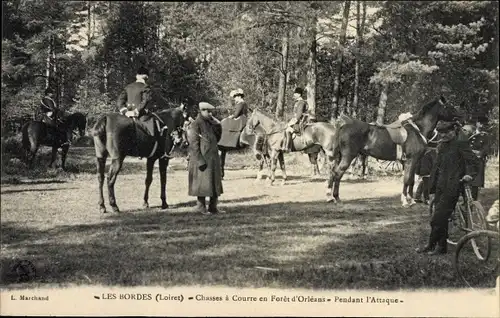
473, 272
456, 225
477, 222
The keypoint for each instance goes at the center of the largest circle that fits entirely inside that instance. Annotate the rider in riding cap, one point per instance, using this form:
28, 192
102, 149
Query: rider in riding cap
300, 109
135, 98
241, 106
53, 115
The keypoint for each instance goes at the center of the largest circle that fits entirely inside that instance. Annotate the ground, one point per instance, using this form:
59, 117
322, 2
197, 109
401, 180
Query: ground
273, 236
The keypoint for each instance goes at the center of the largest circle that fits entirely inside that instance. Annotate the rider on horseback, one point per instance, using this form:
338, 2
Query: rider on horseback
300, 110
241, 106
53, 116
132, 102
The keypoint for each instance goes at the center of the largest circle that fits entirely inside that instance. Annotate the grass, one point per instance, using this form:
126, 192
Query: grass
282, 237
270, 237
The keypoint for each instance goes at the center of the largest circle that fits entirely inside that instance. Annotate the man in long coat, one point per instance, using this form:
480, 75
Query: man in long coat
204, 168
455, 163
479, 143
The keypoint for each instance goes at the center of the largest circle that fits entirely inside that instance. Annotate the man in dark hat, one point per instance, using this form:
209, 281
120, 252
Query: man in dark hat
134, 99
48, 105
53, 115
455, 163
204, 168
300, 109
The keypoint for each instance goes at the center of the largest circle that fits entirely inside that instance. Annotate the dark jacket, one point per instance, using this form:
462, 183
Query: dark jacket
240, 109
425, 164
480, 145
203, 136
300, 108
135, 95
454, 160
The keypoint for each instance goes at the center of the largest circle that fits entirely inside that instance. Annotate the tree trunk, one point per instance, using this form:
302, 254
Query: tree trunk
340, 59
382, 104
312, 70
280, 106
356, 65
47, 66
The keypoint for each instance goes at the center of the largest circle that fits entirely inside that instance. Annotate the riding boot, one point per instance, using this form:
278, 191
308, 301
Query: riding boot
442, 244
432, 241
212, 205
287, 147
201, 205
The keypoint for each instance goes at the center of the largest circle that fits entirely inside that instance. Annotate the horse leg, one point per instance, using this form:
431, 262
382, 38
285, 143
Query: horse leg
31, 154
162, 165
363, 163
408, 182
222, 162
274, 158
261, 167
64, 153
149, 179
282, 166
338, 172
54, 156
114, 169
313, 160
101, 165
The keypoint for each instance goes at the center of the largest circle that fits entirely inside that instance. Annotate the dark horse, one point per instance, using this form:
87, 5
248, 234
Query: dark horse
36, 133
357, 137
118, 136
316, 137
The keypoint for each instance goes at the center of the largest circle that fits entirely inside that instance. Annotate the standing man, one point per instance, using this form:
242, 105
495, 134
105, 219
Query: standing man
134, 98
455, 163
300, 109
204, 168
480, 145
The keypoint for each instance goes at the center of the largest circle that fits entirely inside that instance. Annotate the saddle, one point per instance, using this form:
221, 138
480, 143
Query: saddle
397, 132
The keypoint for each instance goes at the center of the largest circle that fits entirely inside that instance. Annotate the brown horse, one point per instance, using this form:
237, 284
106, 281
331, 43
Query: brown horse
118, 136
357, 137
36, 133
315, 138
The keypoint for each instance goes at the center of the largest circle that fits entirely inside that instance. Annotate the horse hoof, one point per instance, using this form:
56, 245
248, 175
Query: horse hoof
330, 199
145, 205
102, 209
116, 209
164, 206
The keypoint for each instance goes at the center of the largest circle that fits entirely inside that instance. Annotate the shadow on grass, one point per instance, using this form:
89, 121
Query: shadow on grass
35, 190
366, 243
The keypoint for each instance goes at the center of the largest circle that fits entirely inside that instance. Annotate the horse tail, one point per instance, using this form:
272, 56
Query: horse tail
99, 129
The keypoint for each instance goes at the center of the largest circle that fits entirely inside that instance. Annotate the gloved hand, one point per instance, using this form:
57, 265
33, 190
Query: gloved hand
203, 167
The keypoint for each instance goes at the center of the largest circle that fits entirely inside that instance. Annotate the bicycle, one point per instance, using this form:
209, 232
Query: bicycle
476, 274
468, 216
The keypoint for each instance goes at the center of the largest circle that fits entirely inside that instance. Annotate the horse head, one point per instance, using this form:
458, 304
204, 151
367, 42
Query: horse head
252, 123
78, 121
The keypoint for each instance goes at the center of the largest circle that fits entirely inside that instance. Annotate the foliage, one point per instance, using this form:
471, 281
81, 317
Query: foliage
90, 50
